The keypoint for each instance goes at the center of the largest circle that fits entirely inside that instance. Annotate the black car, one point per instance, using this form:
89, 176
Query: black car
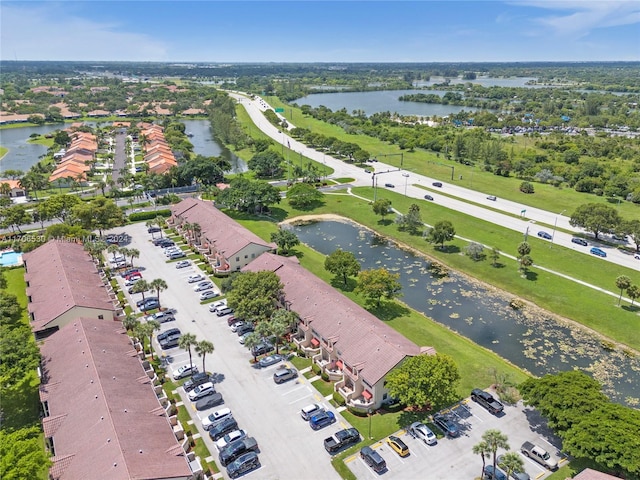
139, 303
446, 425
244, 328
243, 464
437, 184
154, 229
373, 459
210, 401
545, 235
195, 380
168, 333
223, 427
261, 349
579, 241
428, 197
236, 449
486, 400
151, 305
389, 185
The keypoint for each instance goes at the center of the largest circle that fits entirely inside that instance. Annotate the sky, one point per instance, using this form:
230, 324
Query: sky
320, 31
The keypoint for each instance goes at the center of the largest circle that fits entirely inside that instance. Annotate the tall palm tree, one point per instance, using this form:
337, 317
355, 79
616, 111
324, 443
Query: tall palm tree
495, 439
5, 189
145, 330
186, 342
141, 286
130, 322
186, 226
160, 222
125, 253
512, 462
197, 230
482, 449
158, 285
133, 253
202, 348
113, 249
253, 340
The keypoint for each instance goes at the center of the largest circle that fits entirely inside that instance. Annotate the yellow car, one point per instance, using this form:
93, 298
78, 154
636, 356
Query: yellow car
398, 445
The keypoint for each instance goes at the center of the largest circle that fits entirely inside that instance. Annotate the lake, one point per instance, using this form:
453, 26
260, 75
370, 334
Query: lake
530, 339
205, 144
23, 155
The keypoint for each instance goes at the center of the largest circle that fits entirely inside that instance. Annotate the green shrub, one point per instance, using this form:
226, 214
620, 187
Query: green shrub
135, 217
325, 376
358, 412
339, 399
316, 368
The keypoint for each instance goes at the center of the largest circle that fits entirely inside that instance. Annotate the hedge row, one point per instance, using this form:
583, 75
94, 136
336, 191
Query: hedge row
135, 217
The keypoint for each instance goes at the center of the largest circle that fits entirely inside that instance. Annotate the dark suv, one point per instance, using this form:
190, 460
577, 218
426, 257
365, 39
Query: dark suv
446, 425
221, 428
579, 241
261, 349
373, 459
168, 333
243, 464
195, 380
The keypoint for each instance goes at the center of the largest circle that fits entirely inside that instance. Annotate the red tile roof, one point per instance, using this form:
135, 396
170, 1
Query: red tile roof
589, 474
61, 275
364, 341
105, 422
230, 237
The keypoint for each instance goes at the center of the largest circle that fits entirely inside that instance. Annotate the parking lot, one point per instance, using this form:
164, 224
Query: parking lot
453, 458
289, 448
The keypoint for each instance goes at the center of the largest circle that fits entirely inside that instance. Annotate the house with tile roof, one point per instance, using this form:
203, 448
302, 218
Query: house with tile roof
355, 348
226, 244
102, 417
590, 474
15, 190
63, 284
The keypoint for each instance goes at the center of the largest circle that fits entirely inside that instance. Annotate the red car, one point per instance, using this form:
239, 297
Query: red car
133, 275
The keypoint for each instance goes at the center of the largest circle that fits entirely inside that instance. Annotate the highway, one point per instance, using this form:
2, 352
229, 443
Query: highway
500, 212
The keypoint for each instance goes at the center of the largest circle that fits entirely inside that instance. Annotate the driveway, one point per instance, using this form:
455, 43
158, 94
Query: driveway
268, 412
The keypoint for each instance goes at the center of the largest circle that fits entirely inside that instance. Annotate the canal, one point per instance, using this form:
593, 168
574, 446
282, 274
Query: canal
533, 340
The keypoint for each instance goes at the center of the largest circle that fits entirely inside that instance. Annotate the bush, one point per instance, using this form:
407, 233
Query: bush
324, 376
358, 412
339, 399
135, 217
526, 187
316, 368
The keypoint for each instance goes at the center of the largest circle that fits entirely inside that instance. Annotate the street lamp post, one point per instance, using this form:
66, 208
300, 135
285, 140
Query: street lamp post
369, 411
555, 224
406, 180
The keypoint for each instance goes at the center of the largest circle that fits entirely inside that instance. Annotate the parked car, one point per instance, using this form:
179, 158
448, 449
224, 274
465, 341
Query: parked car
201, 391
206, 285
237, 448
154, 229
117, 259
224, 426
183, 264
132, 289
210, 401
224, 311
129, 272
490, 474
158, 316
270, 360
132, 280
487, 401
636, 256
215, 305
151, 305
208, 421
163, 242
243, 338
178, 254
246, 327
389, 185
196, 277
261, 349
579, 241
141, 302
446, 425
208, 295
437, 184
171, 342
493, 198
321, 420
195, 380
284, 375
236, 325
230, 437
373, 459
398, 445
243, 464
598, 251
514, 475
420, 431
184, 371
311, 410
545, 235
171, 250
428, 197
231, 320
168, 333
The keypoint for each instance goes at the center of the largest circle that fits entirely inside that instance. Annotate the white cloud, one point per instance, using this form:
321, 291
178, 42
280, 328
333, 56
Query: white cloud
49, 33
580, 18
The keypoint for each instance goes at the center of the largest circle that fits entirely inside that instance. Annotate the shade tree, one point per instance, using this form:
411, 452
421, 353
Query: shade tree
378, 283
342, 264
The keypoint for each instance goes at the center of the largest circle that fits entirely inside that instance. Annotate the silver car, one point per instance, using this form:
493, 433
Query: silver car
203, 286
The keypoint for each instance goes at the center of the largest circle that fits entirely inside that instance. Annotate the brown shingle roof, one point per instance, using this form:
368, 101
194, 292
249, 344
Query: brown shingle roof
61, 275
104, 422
589, 474
361, 338
230, 237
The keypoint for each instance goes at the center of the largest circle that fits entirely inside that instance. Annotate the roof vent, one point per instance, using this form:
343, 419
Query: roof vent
96, 396
115, 464
108, 440
92, 380
101, 418
140, 450
114, 377
125, 410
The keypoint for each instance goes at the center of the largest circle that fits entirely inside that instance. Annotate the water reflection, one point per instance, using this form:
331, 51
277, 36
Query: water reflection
205, 144
529, 338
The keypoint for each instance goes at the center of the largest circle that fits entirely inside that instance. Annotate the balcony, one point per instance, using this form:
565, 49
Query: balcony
362, 403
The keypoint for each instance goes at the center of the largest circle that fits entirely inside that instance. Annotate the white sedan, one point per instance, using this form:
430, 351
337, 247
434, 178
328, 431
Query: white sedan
184, 371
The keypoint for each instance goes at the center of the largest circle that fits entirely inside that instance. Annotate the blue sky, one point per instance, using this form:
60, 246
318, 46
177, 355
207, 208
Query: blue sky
314, 31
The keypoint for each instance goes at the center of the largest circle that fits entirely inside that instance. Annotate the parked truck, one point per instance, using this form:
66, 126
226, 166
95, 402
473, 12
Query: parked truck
539, 454
341, 439
486, 400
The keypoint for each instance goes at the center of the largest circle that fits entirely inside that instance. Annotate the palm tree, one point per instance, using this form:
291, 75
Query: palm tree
160, 221
133, 253
495, 439
186, 342
102, 185
187, 228
481, 449
253, 340
5, 189
145, 330
202, 348
158, 285
512, 462
130, 322
125, 253
141, 286
622, 282
149, 224
196, 229
113, 249
281, 321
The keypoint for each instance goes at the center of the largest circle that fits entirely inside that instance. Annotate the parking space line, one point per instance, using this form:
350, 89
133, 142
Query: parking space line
291, 391
297, 400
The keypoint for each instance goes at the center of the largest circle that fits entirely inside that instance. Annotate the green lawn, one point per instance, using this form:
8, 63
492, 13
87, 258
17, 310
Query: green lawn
301, 363
325, 388
3, 151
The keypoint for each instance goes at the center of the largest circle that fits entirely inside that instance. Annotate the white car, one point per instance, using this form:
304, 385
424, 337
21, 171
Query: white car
215, 305
215, 416
132, 281
208, 294
206, 285
422, 432
170, 251
196, 277
184, 371
183, 264
230, 437
117, 259
311, 410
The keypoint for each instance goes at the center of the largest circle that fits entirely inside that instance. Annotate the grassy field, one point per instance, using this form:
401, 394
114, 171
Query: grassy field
431, 164
3, 151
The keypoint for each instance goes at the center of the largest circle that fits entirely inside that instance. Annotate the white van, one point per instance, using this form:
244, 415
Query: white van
201, 391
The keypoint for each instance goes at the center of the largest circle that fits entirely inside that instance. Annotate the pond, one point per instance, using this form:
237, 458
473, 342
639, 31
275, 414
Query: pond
532, 340
205, 144
23, 155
